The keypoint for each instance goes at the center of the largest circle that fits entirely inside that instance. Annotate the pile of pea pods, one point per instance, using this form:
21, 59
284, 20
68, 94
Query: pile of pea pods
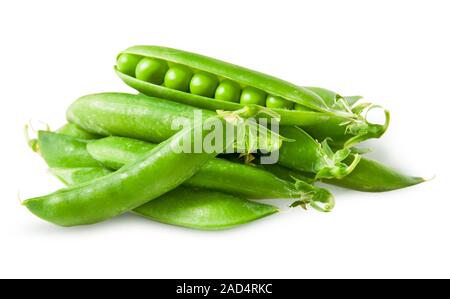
115, 154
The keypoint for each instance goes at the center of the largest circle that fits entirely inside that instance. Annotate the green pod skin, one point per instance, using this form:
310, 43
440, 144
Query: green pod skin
150, 119
341, 135
372, 176
78, 175
203, 209
368, 176
324, 107
74, 154
216, 174
134, 116
192, 208
75, 131
132, 186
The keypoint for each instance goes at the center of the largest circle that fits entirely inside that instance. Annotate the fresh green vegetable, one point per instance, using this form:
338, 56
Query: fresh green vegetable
126, 63
187, 207
79, 175
372, 176
150, 119
218, 174
178, 77
75, 131
345, 120
203, 209
151, 70
228, 91
203, 84
148, 178
306, 154
278, 102
368, 176
251, 95
51, 147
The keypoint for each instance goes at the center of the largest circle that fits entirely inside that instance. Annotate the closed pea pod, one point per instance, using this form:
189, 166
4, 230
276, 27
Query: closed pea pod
186, 207
150, 119
218, 174
306, 154
372, 176
75, 131
368, 176
63, 151
131, 186
79, 175
114, 152
154, 126
203, 209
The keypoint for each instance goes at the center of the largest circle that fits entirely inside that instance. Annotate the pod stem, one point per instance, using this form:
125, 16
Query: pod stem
318, 198
361, 128
28, 131
332, 163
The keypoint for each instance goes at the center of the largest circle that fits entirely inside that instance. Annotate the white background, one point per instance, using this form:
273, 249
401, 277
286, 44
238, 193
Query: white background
395, 53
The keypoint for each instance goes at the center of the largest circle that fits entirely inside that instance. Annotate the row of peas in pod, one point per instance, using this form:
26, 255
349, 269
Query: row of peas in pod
183, 78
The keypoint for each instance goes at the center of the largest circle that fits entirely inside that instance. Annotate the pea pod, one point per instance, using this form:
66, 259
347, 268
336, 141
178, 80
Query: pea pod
186, 207
217, 174
346, 125
203, 209
306, 154
74, 155
75, 131
150, 119
132, 186
78, 175
347, 133
368, 176
372, 176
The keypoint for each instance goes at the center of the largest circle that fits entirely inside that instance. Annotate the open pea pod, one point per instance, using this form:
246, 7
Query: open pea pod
212, 84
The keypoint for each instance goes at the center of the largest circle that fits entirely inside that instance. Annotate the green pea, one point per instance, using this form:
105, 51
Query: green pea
204, 84
228, 91
126, 63
178, 77
278, 102
300, 107
251, 95
151, 70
